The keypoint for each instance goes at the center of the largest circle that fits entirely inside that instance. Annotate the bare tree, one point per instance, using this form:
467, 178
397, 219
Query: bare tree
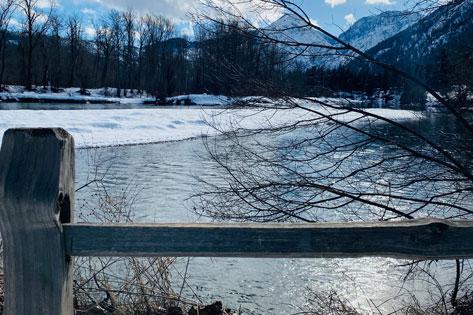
315, 159
74, 37
55, 53
230, 10
450, 162
141, 33
104, 49
7, 8
116, 29
35, 26
223, 50
129, 21
157, 30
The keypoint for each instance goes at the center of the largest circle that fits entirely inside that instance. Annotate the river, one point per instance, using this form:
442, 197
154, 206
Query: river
165, 177
162, 177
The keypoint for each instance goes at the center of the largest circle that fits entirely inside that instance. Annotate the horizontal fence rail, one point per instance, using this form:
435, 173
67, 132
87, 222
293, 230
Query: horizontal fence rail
40, 238
419, 239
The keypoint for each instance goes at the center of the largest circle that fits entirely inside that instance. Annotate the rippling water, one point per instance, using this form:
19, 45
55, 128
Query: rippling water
164, 175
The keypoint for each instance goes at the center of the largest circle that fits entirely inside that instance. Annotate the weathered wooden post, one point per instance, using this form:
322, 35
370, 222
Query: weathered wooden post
36, 197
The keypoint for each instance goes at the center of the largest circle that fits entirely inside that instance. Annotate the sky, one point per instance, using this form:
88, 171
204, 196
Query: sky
334, 15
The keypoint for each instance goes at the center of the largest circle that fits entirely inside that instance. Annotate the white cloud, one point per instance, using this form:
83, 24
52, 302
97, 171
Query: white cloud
350, 18
46, 4
89, 31
259, 12
386, 2
334, 3
14, 23
169, 8
88, 11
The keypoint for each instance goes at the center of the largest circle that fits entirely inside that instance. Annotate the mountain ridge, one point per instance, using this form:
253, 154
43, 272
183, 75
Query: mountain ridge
363, 34
369, 31
420, 43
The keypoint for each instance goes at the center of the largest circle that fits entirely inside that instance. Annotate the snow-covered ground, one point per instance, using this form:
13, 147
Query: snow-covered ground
139, 126
14, 93
201, 99
104, 95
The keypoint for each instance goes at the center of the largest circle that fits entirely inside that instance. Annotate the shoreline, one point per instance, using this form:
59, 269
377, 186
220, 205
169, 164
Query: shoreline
118, 145
63, 99
95, 128
74, 95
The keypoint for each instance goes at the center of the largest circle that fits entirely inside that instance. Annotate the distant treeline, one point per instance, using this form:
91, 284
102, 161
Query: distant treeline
129, 52
142, 53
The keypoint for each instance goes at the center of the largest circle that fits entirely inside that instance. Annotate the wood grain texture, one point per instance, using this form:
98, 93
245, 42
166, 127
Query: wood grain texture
419, 239
36, 196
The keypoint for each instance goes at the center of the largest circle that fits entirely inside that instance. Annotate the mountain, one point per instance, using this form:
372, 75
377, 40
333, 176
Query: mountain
367, 32
448, 28
291, 29
364, 34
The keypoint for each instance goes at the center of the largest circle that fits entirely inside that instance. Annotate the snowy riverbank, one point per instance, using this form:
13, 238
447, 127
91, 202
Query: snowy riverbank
111, 127
18, 94
68, 95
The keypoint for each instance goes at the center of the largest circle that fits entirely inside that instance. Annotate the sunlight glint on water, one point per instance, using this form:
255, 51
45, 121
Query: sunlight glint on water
163, 175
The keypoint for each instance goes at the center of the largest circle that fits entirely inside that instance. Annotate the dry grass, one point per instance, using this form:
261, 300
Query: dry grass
123, 285
144, 285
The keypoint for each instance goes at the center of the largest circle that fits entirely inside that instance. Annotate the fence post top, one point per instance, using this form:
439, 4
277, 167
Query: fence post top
36, 171
60, 133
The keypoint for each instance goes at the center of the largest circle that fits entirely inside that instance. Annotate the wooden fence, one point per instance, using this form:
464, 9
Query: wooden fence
36, 215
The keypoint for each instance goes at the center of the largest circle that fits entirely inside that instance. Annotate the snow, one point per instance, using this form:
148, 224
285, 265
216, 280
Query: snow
107, 95
371, 30
103, 95
111, 127
291, 29
421, 42
363, 34
92, 128
201, 99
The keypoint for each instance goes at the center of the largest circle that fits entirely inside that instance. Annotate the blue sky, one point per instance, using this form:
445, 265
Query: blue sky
337, 15
334, 15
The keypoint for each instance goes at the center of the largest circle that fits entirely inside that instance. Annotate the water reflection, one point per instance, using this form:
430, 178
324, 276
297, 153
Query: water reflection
164, 175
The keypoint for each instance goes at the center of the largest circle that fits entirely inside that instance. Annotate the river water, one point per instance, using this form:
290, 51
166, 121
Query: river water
164, 177
161, 178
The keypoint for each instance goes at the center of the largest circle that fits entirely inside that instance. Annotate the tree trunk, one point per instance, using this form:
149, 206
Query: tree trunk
3, 52
29, 62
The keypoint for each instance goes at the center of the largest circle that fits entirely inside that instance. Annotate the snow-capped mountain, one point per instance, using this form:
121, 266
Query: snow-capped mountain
364, 34
369, 31
449, 27
292, 30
